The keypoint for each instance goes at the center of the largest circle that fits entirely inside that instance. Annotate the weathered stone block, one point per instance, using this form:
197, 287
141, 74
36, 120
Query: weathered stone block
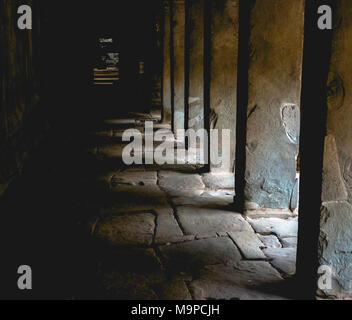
283, 228
283, 259
246, 281
270, 241
289, 242
190, 256
216, 181
133, 229
249, 244
208, 222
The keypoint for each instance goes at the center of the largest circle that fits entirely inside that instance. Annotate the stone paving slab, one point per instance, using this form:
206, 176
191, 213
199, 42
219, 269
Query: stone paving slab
225, 195
247, 281
132, 229
129, 273
190, 256
208, 222
283, 259
127, 198
270, 241
174, 290
283, 228
289, 242
216, 181
135, 178
180, 183
249, 244
167, 228
126, 286
201, 201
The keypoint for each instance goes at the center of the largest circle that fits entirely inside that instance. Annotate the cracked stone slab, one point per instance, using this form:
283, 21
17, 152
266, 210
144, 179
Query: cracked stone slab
270, 241
248, 280
132, 229
174, 290
129, 273
283, 259
181, 184
134, 178
209, 222
126, 286
167, 228
249, 244
289, 242
216, 181
190, 256
283, 228
127, 198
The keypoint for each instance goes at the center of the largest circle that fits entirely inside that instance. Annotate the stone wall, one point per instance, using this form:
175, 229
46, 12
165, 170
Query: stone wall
335, 243
21, 121
276, 49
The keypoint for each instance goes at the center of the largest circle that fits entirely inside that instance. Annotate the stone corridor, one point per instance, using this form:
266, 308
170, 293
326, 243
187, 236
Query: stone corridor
164, 232
261, 79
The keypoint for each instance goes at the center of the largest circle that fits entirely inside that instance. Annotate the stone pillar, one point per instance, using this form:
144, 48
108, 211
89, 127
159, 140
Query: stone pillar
178, 30
167, 95
196, 65
274, 75
223, 78
335, 241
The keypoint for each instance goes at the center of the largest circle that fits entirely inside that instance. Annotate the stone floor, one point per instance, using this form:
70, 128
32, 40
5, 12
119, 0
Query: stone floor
168, 232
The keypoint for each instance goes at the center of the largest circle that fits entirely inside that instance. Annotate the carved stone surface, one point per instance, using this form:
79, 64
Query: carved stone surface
290, 116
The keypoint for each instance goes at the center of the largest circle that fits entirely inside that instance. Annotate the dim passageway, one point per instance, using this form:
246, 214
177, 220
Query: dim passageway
86, 199
142, 231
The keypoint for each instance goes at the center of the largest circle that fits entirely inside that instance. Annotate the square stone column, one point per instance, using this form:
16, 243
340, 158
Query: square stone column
178, 65
274, 89
335, 241
167, 94
223, 79
196, 64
